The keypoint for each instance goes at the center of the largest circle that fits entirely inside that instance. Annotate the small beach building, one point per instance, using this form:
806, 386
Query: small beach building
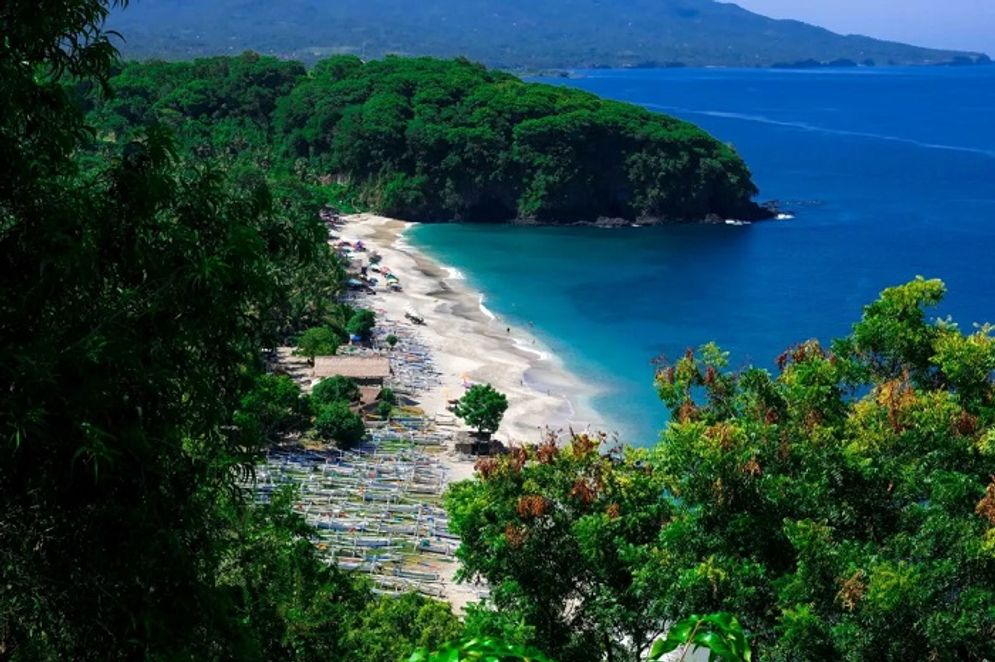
366, 371
368, 395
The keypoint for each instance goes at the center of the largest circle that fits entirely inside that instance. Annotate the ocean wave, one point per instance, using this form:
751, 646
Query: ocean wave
484, 309
804, 126
543, 356
518, 342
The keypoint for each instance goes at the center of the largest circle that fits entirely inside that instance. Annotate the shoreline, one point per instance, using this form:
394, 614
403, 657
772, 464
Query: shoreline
469, 342
465, 342
769, 210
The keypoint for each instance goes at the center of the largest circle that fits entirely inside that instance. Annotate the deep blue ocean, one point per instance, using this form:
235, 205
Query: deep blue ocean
890, 174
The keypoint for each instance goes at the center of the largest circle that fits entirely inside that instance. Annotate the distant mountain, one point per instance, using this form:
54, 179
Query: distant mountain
515, 34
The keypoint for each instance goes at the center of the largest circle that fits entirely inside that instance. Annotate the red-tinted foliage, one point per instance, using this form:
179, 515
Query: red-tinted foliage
965, 424
852, 591
986, 507
752, 468
532, 505
518, 457
710, 376
583, 445
687, 412
515, 535
547, 452
486, 467
582, 491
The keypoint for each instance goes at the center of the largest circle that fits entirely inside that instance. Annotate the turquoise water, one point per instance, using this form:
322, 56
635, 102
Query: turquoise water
890, 172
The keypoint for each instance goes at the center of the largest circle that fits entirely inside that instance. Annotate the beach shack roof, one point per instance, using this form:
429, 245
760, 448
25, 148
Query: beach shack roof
354, 367
369, 394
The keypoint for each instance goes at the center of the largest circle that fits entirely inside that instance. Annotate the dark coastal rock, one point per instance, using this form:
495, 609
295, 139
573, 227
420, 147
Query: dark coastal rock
760, 212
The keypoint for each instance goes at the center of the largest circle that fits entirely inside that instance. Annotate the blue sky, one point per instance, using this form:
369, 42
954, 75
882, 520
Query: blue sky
963, 24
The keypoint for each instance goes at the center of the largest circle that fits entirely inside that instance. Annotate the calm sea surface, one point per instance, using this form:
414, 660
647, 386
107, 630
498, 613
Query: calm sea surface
890, 172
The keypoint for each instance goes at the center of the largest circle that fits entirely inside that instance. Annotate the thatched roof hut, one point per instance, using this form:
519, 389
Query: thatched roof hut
364, 370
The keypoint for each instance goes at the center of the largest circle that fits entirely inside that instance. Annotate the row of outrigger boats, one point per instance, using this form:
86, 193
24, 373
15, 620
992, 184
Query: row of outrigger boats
376, 510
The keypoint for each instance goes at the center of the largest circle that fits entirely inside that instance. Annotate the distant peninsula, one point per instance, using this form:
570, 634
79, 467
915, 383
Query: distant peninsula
517, 35
437, 140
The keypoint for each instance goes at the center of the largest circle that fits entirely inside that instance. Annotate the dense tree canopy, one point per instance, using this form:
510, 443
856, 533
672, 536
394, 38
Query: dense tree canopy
131, 315
317, 341
393, 627
435, 139
335, 389
272, 407
560, 535
337, 422
482, 407
141, 284
844, 507
220, 105
361, 323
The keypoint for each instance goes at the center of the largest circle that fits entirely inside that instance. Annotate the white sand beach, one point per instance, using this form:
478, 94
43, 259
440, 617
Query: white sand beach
468, 343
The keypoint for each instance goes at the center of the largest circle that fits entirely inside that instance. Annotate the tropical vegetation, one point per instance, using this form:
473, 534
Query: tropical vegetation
840, 507
428, 139
335, 389
142, 284
439, 139
482, 407
317, 341
336, 421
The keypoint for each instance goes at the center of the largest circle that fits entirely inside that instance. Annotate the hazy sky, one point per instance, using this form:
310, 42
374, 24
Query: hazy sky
964, 24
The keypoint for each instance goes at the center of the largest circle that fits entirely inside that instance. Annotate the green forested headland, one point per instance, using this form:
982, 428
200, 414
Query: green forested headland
426, 139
